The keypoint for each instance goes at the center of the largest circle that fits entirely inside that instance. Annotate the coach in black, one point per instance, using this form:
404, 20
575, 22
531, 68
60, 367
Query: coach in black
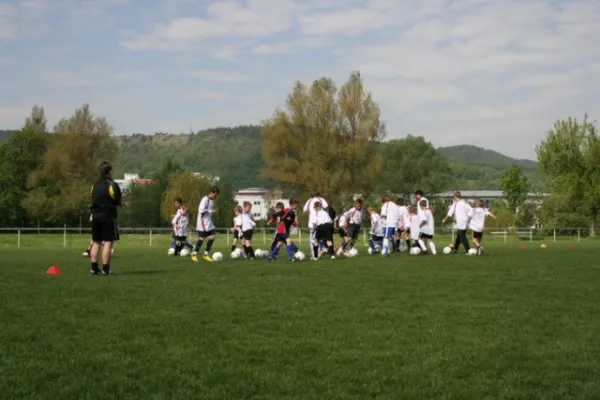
106, 197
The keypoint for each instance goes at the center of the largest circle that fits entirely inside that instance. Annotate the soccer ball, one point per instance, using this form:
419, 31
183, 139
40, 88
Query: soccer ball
472, 252
352, 252
415, 251
184, 253
300, 256
370, 250
259, 253
237, 253
171, 251
447, 250
217, 256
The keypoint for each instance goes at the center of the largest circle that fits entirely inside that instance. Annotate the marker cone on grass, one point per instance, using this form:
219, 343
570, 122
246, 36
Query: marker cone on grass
53, 270
543, 246
523, 247
571, 245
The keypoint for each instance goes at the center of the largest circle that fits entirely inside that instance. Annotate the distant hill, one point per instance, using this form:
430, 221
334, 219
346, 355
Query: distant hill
477, 155
4, 135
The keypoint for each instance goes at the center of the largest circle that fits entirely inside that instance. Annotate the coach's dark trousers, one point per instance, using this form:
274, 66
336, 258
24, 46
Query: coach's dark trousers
461, 237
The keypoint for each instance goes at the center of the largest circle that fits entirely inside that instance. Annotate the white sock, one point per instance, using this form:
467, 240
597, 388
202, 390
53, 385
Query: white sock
422, 245
386, 244
432, 247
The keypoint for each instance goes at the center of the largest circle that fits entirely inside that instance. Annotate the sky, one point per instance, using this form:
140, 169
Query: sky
490, 73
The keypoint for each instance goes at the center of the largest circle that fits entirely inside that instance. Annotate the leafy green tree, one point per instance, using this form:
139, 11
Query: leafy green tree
413, 163
19, 155
225, 203
515, 186
505, 215
143, 209
70, 165
527, 216
557, 211
569, 157
190, 188
326, 139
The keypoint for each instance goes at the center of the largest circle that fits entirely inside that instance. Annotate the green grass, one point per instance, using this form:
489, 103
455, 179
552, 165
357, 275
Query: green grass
514, 324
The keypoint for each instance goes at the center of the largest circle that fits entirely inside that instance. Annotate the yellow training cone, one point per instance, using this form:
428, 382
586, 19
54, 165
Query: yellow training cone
543, 246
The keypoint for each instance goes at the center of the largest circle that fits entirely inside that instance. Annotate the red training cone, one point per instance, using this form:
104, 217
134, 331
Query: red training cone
523, 247
53, 270
571, 245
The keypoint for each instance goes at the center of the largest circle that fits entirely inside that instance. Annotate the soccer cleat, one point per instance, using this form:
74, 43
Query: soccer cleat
94, 273
333, 257
107, 273
207, 258
194, 257
86, 254
292, 260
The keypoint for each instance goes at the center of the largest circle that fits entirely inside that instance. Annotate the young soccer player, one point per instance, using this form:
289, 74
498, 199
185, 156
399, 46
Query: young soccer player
309, 208
354, 217
285, 218
205, 225
340, 223
476, 224
322, 224
178, 205
376, 236
414, 227
427, 229
180, 224
461, 210
248, 226
236, 229
402, 225
389, 214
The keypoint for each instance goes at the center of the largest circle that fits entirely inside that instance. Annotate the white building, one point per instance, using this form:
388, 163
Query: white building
207, 177
263, 201
127, 180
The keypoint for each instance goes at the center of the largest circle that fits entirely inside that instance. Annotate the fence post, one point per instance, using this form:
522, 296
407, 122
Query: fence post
530, 235
299, 235
150, 239
365, 236
19, 238
555, 235
65, 236
264, 235
505, 236
578, 235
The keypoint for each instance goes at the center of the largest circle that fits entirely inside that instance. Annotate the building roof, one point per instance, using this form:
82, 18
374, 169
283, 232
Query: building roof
252, 191
484, 193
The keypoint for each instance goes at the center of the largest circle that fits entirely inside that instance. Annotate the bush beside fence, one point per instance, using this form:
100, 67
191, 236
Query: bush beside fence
65, 236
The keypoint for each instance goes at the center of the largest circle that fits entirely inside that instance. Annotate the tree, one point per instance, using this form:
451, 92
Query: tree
144, 206
569, 157
225, 204
515, 186
326, 139
19, 155
190, 188
70, 165
413, 163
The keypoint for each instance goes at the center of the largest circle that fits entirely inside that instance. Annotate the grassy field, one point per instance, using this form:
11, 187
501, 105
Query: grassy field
514, 324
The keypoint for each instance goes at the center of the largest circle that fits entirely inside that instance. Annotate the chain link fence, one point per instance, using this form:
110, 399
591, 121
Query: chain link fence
150, 237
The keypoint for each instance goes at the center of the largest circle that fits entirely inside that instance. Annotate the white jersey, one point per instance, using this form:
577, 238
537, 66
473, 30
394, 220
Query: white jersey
428, 227
354, 216
420, 211
309, 206
319, 218
247, 222
403, 215
415, 226
204, 221
376, 225
461, 211
237, 223
343, 221
390, 215
478, 215
180, 224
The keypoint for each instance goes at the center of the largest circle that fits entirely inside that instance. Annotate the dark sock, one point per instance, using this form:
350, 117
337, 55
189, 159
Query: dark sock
251, 251
233, 248
330, 250
178, 248
106, 268
95, 267
316, 251
408, 243
198, 245
209, 245
245, 250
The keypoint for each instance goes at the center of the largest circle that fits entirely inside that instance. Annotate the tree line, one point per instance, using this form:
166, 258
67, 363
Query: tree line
326, 138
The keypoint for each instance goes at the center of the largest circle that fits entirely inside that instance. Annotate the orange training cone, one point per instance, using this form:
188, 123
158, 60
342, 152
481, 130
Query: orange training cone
571, 245
523, 247
53, 270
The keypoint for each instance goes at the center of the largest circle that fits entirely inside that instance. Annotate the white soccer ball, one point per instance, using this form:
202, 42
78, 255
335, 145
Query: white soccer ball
370, 250
447, 250
472, 252
171, 251
237, 253
415, 251
218, 256
259, 253
300, 256
352, 253
184, 253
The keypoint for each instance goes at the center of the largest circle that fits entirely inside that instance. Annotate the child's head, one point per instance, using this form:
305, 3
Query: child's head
318, 206
184, 210
419, 195
423, 204
279, 206
213, 192
479, 203
294, 204
247, 206
358, 204
371, 210
385, 198
238, 210
457, 196
178, 202
411, 209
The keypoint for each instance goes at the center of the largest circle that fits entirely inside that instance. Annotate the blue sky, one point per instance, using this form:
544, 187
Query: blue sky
495, 74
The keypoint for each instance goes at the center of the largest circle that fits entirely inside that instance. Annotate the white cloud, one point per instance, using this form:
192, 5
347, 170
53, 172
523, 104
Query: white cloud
222, 76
